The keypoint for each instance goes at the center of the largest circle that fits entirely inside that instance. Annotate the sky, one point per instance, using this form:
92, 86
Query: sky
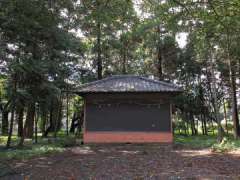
181, 39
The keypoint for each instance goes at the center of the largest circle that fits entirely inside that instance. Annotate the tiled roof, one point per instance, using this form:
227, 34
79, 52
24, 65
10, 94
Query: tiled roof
127, 83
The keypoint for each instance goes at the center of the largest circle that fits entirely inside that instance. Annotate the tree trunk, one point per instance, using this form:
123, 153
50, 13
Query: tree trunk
36, 124
160, 71
5, 122
44, 115
160, 54
235, 117
11, 127
205, 125
225, 116
124, 61
55, 118
193, 128
187, 126
215, 103
80, 123
51, 123
232, 75
74, 123
20, 113
12, 112
30, 121
67, 113
99, 58
58, 116
202, 123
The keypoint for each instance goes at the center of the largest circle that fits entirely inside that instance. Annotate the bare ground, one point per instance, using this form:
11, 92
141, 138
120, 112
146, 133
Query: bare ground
129, 161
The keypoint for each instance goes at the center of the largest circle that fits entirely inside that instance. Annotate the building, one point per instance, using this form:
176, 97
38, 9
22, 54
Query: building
127, 108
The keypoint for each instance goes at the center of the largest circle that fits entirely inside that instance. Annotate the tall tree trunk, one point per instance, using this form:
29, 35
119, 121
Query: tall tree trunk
51, 121
235, 117
202, 121
160, 60
160, 54
5, 113
225, 115
192, 121
73, 123
11, 127
20, 144
67, 113
99, 52
187, 126
30, 120
232, 75
44, 115
20, 113
124, 58
196, 125
215, 105
58, 116
36, 124
12, 112
124, 71
205, 124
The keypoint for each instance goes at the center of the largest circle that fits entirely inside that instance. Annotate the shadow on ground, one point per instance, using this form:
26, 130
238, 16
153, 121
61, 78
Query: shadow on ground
130, 161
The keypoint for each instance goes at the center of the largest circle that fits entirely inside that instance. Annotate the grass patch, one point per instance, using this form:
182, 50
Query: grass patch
203, 141
60, 144
228, 144
43, 147
199, 141
28, 152
3, 140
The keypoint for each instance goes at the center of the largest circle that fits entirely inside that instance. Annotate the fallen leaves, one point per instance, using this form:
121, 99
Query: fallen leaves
147, 161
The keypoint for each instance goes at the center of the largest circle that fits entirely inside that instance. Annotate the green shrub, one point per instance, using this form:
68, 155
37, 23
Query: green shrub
227, 144
68, 142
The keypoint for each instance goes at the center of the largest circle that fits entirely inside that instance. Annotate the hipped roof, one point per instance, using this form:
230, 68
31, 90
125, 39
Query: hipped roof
127, 83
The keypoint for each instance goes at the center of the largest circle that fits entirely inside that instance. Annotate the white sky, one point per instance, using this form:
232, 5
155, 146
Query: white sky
181, 39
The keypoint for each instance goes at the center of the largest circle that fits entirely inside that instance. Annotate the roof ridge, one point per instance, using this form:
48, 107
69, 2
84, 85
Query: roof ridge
95, 82
159, 82
107, 78
98, 84
104, 79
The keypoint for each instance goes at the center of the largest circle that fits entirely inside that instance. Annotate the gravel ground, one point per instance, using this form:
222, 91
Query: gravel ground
129, 161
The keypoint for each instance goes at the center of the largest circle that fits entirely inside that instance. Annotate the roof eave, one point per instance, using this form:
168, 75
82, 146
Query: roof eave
82, 93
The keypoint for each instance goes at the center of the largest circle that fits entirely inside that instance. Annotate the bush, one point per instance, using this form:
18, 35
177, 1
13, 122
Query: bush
68, 142
226, 145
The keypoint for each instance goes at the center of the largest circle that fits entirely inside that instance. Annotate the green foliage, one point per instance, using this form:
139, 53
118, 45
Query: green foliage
202, 141
227, 144
26, 153
199, 141
108, 27
42, 55
44, 147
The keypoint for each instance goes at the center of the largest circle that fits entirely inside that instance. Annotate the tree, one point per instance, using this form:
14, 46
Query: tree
106, 24
39, 49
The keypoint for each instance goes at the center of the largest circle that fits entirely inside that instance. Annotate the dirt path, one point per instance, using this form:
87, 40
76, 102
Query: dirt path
130, 162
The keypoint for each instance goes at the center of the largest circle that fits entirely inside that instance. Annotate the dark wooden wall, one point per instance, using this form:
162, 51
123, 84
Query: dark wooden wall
128, 112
